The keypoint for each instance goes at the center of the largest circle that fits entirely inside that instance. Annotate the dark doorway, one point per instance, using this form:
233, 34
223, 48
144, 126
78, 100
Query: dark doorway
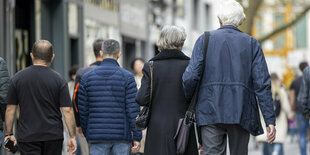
74, 53
24, 32
129, 52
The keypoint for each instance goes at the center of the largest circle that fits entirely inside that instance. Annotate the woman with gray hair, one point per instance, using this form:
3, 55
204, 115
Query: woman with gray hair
168, 102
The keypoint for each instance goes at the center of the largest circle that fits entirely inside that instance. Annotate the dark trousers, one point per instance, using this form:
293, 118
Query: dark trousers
41, 148
214, 139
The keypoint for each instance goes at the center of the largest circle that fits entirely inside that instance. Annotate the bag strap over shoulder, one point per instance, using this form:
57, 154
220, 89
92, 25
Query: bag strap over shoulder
190, 113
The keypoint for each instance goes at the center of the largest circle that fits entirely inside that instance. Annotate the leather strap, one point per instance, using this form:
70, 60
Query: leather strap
190, 113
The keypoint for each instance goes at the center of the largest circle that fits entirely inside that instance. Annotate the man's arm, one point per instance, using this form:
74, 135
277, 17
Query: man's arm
292, 98
69, 119
262, 89
9, 118
4, 86
192, 75
132, 110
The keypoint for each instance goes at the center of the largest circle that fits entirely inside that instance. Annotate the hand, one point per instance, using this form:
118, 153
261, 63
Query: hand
12, 138
79, 131
271, 133
72, 145
136, 147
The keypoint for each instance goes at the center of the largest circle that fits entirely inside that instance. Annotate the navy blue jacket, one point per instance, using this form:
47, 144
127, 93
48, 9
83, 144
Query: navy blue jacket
107, 104
235, 75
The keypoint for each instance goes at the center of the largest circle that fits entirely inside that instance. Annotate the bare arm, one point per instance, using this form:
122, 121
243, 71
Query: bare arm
9, 118
69, 119
292, 98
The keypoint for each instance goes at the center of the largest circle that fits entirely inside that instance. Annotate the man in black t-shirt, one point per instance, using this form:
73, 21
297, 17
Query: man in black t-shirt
302, 122
41, 93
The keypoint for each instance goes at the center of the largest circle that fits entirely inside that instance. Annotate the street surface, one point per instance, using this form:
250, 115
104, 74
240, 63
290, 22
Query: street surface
289, 148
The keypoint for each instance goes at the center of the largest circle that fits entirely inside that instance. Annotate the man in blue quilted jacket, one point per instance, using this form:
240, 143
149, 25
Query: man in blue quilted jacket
107, 106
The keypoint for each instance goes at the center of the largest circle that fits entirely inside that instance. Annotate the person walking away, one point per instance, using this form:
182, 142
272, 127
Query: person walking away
75, 99
302, 122
283, 112
107, 105
235, 75
4, 86
168, 101
41, 93
137, 66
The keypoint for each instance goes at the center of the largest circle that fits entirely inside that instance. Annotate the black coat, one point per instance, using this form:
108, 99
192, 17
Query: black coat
168, 103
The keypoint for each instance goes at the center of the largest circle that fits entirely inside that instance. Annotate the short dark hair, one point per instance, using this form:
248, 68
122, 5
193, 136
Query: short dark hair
73, 70
274, 76
43, 50
303, 65
134, 61
97, 47
110, 47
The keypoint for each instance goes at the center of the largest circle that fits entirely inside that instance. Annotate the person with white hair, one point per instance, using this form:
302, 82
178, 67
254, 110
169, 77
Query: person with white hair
234, 82
168, 103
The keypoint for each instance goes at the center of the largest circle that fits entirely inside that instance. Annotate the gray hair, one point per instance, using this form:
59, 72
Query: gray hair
230, 12
110, 47
171, 37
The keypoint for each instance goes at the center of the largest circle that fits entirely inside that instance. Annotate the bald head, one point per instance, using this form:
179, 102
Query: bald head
43, 50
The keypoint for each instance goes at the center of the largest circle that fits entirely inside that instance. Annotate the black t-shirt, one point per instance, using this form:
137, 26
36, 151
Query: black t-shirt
296, 86
40, 92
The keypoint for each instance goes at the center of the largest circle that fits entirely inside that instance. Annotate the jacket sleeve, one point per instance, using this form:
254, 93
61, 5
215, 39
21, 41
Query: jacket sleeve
132, 108
4, 86
75, 100
303, 96
83, 106
143, 96
192, 75
262, 84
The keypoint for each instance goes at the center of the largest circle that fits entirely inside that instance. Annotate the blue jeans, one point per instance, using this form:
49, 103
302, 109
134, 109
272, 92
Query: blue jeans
268, 149
110, 148
302, 125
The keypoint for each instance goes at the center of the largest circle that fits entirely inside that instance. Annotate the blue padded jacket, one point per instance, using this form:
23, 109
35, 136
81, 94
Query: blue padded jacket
107, 104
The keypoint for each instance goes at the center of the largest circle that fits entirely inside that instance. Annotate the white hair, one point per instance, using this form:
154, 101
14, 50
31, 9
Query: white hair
230, 12
171, 37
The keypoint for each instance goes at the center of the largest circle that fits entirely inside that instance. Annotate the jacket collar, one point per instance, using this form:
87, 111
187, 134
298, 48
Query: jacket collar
230, 27
170, 54
109, 61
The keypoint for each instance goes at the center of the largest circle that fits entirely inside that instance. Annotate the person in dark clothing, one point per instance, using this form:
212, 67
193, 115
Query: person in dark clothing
107, 106
168, 102
84, 149
234, 83
302, 122
41, 94
4, 86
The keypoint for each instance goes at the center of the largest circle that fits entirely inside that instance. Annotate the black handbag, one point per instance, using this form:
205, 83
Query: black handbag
143, 118
184, 125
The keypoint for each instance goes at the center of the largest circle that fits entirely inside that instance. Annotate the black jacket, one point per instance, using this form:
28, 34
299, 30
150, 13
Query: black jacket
4, 86
168, 103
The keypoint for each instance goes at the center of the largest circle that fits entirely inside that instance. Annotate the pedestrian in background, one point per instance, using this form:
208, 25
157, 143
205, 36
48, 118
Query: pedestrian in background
107, 106
40, 93
4, 86
283, 112
137, 66
168, 101
302, 122
84, 148
235, 75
